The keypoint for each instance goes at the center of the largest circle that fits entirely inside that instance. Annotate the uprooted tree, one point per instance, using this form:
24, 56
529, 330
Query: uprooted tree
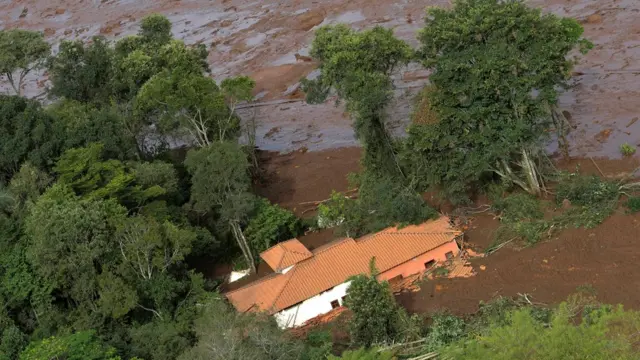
497, 70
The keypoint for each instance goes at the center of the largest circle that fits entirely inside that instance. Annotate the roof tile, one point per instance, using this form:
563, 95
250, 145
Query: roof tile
333, 264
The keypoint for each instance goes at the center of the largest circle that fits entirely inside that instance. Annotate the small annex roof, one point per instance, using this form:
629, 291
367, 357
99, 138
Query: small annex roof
285, 254
334, 263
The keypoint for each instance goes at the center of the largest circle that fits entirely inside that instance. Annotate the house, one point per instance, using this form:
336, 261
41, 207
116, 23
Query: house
310, 283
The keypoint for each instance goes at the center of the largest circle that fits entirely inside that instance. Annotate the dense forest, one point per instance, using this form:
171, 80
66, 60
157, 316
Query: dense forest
133, 172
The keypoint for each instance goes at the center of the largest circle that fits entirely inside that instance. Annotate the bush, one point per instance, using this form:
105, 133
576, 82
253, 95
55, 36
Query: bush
586, 190
381, 202
522, 218
518, 207
608, 333
595, 199
444, 330
627, 150
270, 225
376, 315
633, 205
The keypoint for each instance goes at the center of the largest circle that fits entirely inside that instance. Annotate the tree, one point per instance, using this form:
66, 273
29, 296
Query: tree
83, 124
358, 66
381, 202
82, 73
155, 28
151, 247
188, 101
79, 346
71, 241
220, 185
495, 86
376, 316
85, 171
224, 334
21, 51
602, 334
26, 134
270, 225
26, 186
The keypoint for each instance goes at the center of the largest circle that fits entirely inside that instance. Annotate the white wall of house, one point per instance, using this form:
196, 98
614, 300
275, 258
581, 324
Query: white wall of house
312, 307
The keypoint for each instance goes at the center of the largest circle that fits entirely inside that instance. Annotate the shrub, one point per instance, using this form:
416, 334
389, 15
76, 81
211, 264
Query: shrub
444, 330
376, 315
586, 190
633, 204
270, 225
518, 207
627, 149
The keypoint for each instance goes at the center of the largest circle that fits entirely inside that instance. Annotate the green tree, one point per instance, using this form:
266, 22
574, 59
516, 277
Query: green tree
220, 186
497, 69
604, 334
21, 51
358, 66
376, 316
71, 241
270, 225
82, 73
381, 202
151, 247
89, 175
155, 28
189, 102
79, 346
26, 134
83, 124
225, 334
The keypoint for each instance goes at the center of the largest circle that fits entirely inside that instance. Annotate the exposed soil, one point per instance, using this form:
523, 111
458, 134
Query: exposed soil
605, 257
293, 179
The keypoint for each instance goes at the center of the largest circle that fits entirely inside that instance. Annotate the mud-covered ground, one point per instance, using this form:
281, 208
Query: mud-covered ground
261, 38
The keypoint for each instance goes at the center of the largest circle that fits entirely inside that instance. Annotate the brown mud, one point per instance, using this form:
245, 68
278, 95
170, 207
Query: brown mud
262, 38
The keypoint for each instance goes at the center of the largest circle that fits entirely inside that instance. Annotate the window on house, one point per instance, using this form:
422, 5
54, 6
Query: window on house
396, 278
429, 264
335, 304
449, 255
343, 299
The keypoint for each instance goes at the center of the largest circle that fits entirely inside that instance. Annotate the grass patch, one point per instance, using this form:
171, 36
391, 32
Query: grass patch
627, 149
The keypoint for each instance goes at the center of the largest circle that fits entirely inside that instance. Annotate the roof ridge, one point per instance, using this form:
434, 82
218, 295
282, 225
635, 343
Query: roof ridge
281, 257
290, 273
373, 236
331, 245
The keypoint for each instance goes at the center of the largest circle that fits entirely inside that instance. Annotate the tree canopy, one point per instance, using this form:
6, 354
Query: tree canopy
358, 65
21, 51
495, 82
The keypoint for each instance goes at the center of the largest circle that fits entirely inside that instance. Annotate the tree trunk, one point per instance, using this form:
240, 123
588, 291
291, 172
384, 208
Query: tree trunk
242, 242
561, 124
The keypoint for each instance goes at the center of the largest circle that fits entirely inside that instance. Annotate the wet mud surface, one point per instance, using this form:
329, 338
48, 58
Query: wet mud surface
261, 39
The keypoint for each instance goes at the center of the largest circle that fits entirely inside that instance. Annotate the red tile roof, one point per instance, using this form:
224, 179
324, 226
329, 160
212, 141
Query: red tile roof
333, 264
285, 254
